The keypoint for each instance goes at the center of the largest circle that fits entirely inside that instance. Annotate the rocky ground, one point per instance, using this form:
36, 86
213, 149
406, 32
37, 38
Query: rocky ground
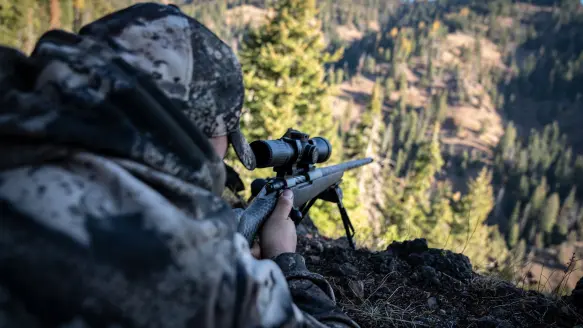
411, 285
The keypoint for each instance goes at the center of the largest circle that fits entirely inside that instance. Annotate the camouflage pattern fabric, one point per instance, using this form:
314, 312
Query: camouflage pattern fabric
110, 217
188, 62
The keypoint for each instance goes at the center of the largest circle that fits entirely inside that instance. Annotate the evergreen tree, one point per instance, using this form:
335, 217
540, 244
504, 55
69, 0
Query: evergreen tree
513, 235
538, 198
283, 66
441, 106
403, 85
513, 228
339, 76
389, 87
550, 212
507, 143
370, 184
388, 139
520, 250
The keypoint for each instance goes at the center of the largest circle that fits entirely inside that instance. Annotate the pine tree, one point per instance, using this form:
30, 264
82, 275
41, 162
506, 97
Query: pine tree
538, 198
339, 76
403, 85
283, 66
539, 240
507, 143
389, 86
370, 184
441, 106
513, 228
519, 251
388, 139
475, 237
550, 212
513, 235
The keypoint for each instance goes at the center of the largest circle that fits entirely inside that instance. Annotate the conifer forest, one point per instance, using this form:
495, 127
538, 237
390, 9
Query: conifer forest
472, 111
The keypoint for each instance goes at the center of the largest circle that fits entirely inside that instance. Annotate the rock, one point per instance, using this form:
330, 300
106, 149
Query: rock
415, 259
408, 247
440, 282
382, 262
491, 322
499, 312
357, 287
454, 265
76, 323
317, 246
577, 295
314, 259
432, 303
427, 275
348, 270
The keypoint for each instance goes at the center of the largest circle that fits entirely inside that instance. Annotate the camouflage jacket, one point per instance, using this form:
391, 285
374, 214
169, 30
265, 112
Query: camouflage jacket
105, 223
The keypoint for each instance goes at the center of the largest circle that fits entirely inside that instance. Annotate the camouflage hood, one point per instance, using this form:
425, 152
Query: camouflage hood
190, 64
76, 94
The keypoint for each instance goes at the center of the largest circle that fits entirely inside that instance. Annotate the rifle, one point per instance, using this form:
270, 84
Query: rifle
293, 158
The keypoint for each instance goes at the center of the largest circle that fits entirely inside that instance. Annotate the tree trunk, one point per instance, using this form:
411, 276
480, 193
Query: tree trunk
55, 11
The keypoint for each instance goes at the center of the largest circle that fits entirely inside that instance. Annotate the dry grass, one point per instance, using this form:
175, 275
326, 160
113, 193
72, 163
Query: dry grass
383, 310
455, 41
552, 281
348, 33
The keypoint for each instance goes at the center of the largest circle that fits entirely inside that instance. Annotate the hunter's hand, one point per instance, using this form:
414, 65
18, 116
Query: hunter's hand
278, 234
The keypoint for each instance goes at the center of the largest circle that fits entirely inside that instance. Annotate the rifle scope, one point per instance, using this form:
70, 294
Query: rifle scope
293, 148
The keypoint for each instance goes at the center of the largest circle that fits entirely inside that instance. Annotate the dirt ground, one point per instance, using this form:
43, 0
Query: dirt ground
410, 285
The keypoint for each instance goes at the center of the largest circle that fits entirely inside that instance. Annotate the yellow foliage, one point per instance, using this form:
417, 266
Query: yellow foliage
465, 12
435, 26
406, 47
79, 4
421, 25
394, 32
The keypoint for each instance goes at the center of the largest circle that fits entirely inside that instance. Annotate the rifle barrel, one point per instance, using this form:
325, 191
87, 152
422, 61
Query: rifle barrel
345, 166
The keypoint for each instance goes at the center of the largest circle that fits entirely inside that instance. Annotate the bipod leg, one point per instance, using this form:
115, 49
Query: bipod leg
308, 205
334, 195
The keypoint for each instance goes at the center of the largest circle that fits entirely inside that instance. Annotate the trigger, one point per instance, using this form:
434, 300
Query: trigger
296, 215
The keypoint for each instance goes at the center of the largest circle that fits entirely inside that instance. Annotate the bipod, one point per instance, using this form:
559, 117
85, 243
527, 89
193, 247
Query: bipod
334, 195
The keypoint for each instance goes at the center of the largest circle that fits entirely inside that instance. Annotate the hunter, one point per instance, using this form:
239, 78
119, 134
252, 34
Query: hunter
110, 181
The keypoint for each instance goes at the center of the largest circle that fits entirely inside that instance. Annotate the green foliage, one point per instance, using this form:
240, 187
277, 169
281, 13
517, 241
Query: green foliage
513, 227
550, 212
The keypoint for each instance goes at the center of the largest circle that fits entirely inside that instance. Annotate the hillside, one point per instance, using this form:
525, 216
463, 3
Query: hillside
468, 67
411, 285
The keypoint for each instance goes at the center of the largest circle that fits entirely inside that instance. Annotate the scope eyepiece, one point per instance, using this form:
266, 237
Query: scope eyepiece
294, 148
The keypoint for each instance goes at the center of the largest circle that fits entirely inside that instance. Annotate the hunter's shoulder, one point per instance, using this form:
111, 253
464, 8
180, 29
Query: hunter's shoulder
85, 193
